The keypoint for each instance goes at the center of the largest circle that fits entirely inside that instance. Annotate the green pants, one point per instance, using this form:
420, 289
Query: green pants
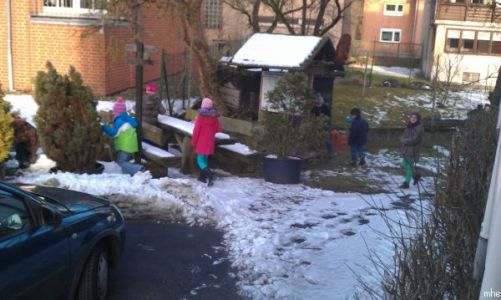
409, 169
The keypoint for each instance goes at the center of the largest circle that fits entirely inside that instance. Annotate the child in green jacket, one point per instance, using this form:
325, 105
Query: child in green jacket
124, 132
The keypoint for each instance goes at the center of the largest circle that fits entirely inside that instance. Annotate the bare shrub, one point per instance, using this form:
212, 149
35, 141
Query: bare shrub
437, 261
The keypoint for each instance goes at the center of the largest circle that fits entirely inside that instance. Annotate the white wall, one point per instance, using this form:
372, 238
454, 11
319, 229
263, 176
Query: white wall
483, 64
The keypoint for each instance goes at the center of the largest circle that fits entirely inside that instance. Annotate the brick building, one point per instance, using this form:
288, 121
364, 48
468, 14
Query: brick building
40, 30
391, 31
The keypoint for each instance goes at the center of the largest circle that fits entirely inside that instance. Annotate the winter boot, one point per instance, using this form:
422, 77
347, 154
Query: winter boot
404, 185
203, 176
362, 162
210, 177
416, 178
353, 163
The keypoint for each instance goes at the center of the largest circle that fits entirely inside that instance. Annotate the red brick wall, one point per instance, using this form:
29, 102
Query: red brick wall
374, 19
3, 49
119, 75
63, 45
160, 30
21, 45
100, 57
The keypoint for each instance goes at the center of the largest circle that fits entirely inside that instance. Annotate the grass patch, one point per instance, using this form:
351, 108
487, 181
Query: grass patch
356, 75
381, 106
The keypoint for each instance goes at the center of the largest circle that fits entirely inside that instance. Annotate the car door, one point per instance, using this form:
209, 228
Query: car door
34, 256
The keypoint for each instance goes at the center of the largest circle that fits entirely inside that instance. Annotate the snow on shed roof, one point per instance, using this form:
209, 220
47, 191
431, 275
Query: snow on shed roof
276, 50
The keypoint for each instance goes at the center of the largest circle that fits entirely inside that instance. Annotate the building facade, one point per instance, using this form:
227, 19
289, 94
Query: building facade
465, 44
389, 29
33, 32
227, 28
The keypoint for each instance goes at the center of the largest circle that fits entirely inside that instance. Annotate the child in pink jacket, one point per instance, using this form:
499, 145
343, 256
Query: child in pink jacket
203, 140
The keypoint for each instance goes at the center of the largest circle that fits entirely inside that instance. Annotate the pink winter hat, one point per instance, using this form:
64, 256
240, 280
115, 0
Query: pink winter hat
119, 107
206, 103
151, 88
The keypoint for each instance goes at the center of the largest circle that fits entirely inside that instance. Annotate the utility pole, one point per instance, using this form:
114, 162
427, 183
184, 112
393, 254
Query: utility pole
365, 73
139, 78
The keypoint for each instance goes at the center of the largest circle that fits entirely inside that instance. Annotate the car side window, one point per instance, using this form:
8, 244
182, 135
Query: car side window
14, 216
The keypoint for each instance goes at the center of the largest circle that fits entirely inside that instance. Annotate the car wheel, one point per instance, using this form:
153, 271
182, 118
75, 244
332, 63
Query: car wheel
94, 280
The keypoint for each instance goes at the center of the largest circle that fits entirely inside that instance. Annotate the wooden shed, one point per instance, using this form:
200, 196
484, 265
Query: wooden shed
247, 76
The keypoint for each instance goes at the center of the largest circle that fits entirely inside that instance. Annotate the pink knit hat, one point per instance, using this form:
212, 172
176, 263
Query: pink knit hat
119, 107
151, 88
206, 103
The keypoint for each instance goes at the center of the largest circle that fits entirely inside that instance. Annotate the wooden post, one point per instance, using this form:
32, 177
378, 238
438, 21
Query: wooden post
139, 79
186, 160
365, 72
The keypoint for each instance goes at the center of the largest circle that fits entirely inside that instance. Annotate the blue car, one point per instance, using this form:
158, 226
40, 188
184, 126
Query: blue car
56, 243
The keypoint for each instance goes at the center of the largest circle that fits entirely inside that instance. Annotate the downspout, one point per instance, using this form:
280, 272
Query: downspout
10, 73
416, 11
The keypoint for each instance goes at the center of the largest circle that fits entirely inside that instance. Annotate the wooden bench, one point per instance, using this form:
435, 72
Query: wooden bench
234, 157
160, 156
153, 149
238, 158
182, 131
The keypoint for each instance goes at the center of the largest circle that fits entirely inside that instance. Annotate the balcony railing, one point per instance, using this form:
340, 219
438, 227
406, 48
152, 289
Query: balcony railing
467, 11
382, 49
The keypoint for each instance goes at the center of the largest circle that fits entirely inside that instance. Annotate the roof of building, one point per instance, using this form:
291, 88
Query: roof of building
279, 51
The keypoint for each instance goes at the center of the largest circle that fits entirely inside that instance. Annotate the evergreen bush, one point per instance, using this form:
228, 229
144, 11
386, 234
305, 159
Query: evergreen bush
289, 128
67, 120
6, 129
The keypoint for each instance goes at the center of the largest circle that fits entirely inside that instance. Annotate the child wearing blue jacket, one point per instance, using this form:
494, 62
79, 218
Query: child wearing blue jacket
125, 134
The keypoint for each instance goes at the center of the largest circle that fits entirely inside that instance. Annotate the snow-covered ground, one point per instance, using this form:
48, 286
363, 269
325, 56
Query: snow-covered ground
457, 106
392, 71
285, 241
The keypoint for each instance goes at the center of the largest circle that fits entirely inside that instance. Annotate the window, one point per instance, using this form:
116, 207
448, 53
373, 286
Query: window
483, 41
473, 42
14, 216
390, 35
457, 1
392, 9
452, 44
496, 43
72, 5
468, 38
471, 77
212, 13
479, 2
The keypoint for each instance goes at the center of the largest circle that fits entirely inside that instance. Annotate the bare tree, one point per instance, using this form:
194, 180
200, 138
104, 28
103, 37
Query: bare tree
190, 12
190, 15
315, 17
447, 70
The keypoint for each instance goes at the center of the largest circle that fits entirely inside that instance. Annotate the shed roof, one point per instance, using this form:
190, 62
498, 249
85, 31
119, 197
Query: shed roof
278, 51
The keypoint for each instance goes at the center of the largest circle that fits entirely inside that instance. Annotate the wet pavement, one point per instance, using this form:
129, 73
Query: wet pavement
172, 261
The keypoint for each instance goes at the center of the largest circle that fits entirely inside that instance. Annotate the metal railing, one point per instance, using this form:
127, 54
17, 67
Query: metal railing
382, 49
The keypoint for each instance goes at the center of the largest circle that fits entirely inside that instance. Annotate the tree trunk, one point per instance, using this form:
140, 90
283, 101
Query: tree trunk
191, 22
495, 96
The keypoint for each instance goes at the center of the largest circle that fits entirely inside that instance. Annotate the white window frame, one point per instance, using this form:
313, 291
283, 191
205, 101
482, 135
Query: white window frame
213, 14
396, 12
393, 31
75, 9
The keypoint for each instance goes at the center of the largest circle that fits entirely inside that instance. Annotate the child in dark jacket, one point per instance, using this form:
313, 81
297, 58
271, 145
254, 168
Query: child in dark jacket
152, 105
358, 137
203, 140
124, 132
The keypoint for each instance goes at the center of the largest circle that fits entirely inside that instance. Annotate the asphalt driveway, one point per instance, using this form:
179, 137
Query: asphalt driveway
172, 261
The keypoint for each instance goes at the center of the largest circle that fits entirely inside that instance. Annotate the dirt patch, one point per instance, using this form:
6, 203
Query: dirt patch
344, 184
